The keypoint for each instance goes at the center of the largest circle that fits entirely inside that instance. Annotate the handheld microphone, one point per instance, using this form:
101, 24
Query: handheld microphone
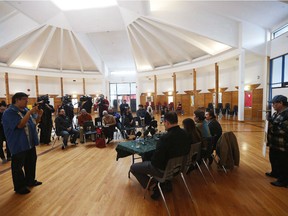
137, 135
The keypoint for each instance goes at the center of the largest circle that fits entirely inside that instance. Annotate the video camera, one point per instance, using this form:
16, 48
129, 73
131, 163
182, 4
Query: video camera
84, 98
42, 100
66, 99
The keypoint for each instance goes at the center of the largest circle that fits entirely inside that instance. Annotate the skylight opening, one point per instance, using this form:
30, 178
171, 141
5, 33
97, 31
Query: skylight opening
66, 5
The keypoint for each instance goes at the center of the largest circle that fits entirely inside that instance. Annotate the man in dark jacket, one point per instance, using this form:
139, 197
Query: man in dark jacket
173, 144
64, 128
278, 141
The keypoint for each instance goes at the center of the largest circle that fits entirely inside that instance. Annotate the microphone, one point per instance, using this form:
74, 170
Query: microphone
137, 135
146, 132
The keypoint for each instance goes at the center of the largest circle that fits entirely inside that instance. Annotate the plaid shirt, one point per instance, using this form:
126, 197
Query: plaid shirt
278, 130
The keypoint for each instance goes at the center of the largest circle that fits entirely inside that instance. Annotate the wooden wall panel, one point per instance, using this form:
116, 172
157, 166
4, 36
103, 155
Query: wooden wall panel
257, 102
208, 98
143, 100
226, 98
186, 104
234, 99
200, 100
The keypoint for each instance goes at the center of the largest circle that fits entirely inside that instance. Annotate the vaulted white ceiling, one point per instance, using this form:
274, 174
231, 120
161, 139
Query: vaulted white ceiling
132, 36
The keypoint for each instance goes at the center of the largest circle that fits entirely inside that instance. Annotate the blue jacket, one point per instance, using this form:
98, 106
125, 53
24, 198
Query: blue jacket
17, 138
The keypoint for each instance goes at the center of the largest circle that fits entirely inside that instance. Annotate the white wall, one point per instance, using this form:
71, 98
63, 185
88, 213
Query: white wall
22, 83
49, 85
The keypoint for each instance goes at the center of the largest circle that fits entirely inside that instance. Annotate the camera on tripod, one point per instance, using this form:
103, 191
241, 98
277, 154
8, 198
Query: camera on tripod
84, 98
42, 101
66, 99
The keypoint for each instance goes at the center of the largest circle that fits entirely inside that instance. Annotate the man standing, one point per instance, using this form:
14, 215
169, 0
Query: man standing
46, 123
173, 144
123, 107
278, 141
65, 128
20, 130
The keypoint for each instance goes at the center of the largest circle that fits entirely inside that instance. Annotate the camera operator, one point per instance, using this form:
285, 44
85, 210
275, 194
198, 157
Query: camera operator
102, 104
46, 123
86, 103
67, 106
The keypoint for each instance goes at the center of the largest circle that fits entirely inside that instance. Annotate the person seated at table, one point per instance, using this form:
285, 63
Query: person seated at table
128, 121
84, 117
193, 132
199, 118
172, 144
141, 114
214, 126
109, 123
65, 128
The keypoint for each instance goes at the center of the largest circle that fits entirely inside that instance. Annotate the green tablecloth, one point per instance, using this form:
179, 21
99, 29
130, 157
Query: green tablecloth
147, 145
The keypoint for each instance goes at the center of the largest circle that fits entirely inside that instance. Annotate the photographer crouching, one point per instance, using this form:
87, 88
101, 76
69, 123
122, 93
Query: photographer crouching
46, 122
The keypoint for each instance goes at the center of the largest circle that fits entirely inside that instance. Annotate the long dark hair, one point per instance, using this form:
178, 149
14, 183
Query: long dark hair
192, 130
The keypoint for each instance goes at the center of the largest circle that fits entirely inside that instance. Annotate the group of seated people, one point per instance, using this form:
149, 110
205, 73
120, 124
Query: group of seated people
176, 142
111, 120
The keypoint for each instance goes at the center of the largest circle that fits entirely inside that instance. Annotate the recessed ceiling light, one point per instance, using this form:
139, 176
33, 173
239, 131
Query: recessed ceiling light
66, 5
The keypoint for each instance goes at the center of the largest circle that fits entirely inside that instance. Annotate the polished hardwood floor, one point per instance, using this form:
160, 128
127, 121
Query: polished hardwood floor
85, 180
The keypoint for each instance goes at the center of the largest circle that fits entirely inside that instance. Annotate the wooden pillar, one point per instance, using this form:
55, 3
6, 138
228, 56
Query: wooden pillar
61, 84
36, 84
216, 84
84, 87
155, 91
7, 88
174, 90
195, 93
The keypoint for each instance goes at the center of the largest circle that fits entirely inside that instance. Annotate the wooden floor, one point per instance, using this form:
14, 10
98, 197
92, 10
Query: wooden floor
85, 180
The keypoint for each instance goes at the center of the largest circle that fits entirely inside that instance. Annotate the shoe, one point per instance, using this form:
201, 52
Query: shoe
4, 161
270, 174
109, 140
279, 184
35, 183
23, 191
63, 146
156, 193
74, 143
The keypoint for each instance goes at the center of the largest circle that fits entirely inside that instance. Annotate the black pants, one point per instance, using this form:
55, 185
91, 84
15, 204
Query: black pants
26, 160
109, 131
45, 133
280, 164
274, 160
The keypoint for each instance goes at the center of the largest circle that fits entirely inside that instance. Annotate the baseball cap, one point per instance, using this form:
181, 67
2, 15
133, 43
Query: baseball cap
279, 98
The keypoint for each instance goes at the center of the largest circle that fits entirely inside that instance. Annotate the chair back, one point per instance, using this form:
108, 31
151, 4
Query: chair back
194, 154
98, 122
88, 126
173, 168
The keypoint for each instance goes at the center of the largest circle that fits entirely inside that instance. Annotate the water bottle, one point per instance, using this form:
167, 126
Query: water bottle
137, 145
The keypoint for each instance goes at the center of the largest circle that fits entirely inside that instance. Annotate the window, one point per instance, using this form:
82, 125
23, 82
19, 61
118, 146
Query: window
286, 68
276, 72
280, 31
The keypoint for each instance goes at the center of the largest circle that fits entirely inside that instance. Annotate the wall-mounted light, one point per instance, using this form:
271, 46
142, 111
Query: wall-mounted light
247, 88
148, 94
74, 95
169, 93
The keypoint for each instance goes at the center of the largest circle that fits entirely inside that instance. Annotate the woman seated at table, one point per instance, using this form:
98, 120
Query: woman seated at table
193, 132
